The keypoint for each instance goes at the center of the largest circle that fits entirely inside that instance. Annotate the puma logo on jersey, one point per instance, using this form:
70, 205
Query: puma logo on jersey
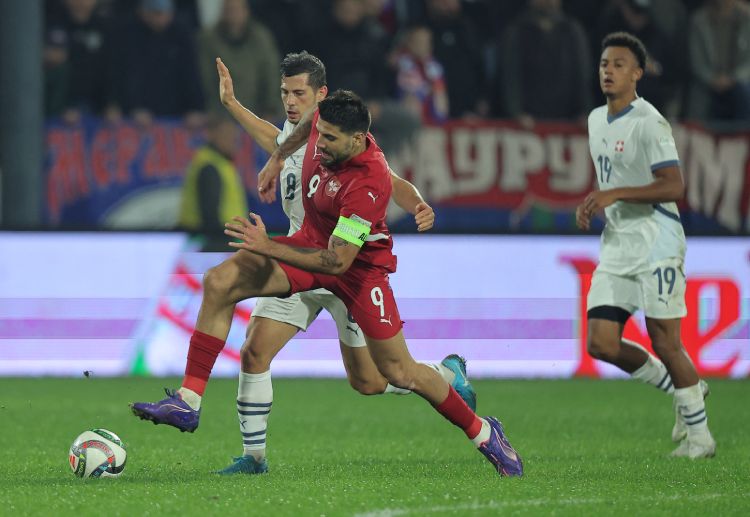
373, 196
356, 331
662, 300
388, 321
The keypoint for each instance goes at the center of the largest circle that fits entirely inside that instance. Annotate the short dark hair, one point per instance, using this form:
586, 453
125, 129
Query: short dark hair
304, 63
345, 109
627, 40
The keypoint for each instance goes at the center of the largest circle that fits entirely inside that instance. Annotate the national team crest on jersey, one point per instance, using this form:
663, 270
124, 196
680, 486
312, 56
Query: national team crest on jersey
620, 146
332, 187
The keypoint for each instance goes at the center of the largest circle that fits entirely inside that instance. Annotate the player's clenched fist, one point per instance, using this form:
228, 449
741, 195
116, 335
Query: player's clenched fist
425, 217
267, 179
599, 200
583, 218
252, 235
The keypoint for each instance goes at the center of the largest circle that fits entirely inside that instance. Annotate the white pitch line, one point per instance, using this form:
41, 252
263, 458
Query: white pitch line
395, 512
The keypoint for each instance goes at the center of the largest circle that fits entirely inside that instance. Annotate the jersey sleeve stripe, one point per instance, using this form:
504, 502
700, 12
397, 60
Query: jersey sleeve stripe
666, 212
377, 237
668, 163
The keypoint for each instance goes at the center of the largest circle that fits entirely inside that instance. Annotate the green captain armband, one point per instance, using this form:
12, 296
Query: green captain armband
352, 230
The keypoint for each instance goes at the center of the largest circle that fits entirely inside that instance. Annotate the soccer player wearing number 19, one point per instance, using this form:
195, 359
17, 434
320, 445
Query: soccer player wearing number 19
643, 244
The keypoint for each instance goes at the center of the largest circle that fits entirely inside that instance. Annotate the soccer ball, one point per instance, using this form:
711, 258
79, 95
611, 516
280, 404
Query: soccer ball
97, 453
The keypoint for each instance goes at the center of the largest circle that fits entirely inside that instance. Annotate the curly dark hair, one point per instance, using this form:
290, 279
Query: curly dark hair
345, 109
627, 40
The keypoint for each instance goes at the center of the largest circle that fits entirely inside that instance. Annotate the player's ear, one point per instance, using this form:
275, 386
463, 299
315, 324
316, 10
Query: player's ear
359, 138
321, 93
638, 74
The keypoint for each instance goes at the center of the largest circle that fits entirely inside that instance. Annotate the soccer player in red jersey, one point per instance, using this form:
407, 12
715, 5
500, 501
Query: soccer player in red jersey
344, 246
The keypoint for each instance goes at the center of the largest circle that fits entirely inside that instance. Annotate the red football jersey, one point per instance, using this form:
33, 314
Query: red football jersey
358, 187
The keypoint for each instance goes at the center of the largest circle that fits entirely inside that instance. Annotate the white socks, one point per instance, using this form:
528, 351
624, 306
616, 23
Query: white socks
653, 372
390, 388
692, 408
444, 372
254, 400
190, 397
483, 435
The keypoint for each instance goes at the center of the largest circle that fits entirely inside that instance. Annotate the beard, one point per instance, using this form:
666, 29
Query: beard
329, 160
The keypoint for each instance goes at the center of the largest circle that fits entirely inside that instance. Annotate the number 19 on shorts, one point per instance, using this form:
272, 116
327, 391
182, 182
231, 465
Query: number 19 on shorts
666, 278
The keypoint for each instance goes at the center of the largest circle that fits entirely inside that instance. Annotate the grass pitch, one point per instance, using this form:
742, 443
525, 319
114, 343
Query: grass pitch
589, 447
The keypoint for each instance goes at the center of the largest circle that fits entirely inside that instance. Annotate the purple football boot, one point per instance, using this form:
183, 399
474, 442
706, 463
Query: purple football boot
499, 451
171, 411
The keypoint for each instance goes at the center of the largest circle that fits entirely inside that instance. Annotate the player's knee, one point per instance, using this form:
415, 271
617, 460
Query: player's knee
254, 359
599, 347
216, 282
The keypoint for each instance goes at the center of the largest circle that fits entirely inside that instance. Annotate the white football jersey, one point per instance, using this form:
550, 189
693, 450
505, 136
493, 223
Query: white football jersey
291, 181
626, 148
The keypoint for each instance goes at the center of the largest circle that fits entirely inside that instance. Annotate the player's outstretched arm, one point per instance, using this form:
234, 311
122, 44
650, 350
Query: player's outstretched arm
407, 196
335, 260
262, 131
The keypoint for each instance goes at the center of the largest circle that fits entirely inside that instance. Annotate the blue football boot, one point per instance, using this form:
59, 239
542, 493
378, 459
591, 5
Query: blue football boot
245, 465
171, 411
461, 384
499, 451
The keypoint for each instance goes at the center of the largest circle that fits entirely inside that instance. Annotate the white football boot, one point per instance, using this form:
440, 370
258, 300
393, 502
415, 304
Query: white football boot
696, 445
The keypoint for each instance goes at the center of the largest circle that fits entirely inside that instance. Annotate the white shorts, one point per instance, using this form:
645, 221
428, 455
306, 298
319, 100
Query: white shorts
660, 291
301, 309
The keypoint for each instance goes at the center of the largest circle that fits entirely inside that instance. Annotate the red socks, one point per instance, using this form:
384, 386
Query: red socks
202, 354
455, 409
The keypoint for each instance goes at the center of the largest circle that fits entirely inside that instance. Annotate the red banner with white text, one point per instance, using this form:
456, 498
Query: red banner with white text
484, 176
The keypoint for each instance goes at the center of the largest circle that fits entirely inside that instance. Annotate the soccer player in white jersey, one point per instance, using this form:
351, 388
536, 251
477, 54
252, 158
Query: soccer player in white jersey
641, 263
277, 320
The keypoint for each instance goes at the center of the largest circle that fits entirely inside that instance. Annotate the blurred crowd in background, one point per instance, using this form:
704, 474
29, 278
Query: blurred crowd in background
432, 60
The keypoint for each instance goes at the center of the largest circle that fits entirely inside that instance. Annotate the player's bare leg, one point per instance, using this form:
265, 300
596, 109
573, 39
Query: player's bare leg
665, 339
365, 378
264, 340
396, 364
689, 391
361, 371
606, 344
243, 275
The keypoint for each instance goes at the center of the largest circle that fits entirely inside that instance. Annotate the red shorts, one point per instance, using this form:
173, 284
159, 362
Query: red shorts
366, 292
